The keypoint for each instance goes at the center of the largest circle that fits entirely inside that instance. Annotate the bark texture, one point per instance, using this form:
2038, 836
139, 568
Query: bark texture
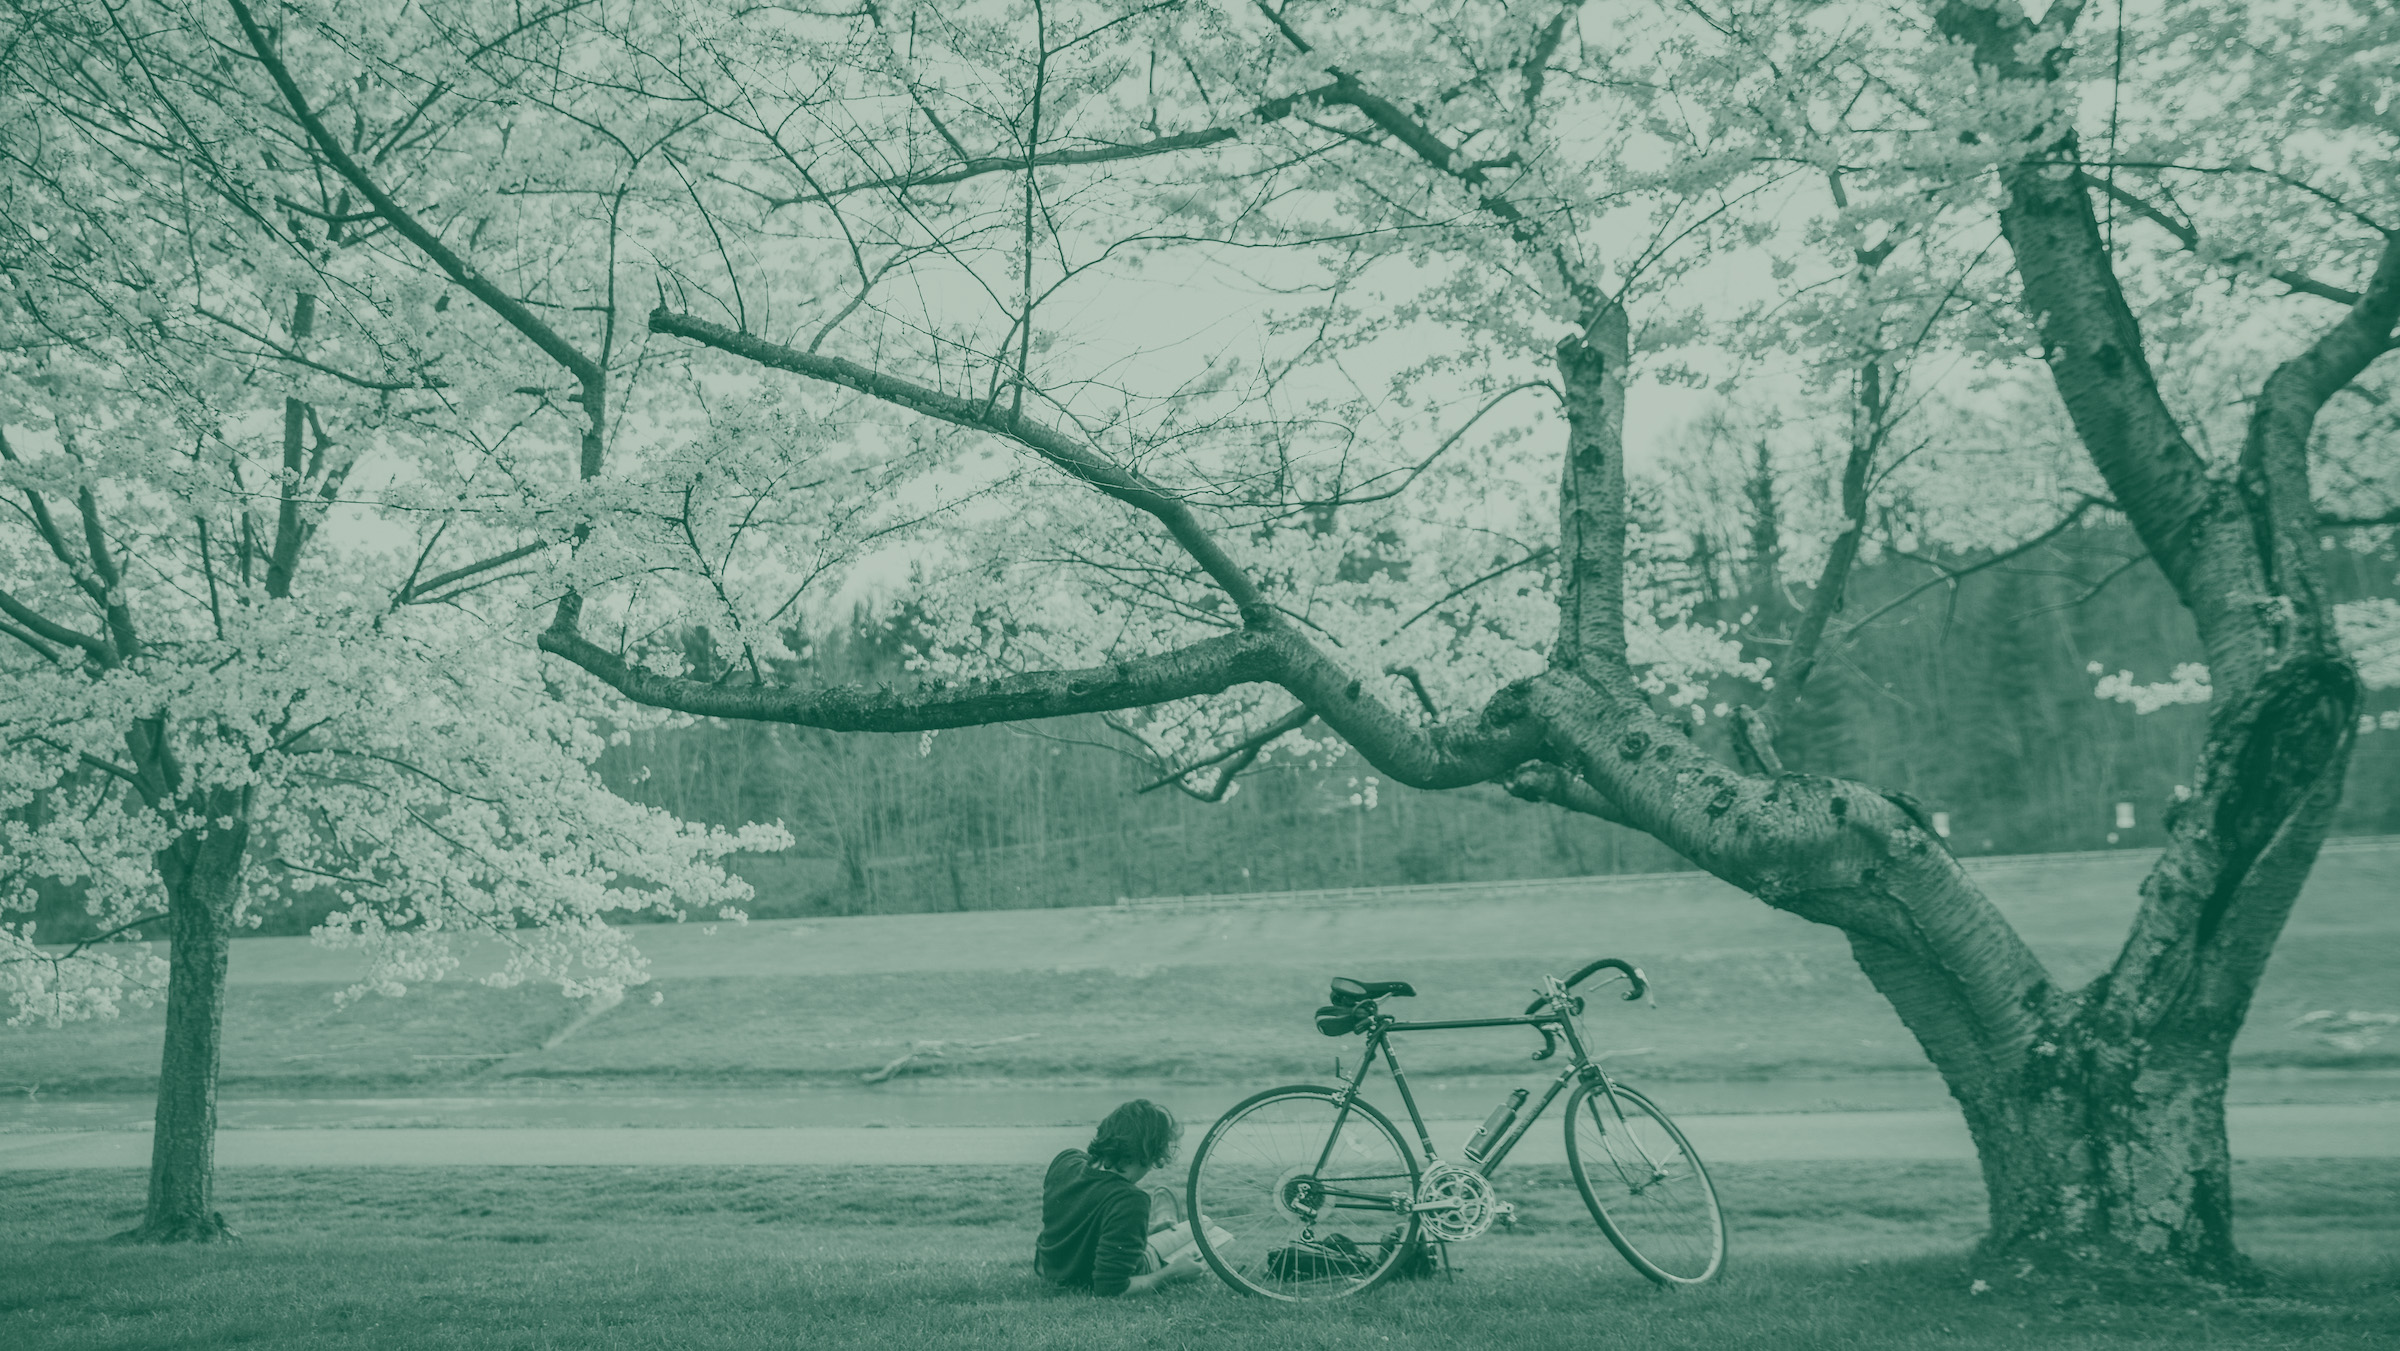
2110, 1153
1591, 492
203, 874
2106, 1144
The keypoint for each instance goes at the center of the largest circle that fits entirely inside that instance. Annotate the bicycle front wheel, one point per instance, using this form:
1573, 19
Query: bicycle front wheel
1644, 1185
1297, 1197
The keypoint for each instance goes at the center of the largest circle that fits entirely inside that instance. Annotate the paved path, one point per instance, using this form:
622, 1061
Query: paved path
2348, 1130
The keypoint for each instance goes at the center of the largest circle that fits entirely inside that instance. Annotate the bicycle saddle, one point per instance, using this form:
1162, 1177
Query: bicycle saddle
1347, 991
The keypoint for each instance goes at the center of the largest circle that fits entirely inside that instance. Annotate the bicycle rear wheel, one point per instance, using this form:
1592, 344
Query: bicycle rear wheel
1295, 1197
1644, 1185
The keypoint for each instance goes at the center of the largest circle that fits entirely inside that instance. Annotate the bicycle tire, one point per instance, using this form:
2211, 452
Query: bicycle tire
1260, 1190
1648, 1189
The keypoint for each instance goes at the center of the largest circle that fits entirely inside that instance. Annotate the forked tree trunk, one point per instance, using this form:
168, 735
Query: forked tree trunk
203, 877
2097, 1114
2108, 1142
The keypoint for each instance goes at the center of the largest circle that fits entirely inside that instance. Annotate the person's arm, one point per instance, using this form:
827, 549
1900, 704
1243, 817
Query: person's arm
1122, 1251
1183, 1264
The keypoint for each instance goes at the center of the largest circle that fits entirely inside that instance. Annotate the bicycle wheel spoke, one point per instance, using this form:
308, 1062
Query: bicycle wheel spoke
1644, 1185
1287, 1189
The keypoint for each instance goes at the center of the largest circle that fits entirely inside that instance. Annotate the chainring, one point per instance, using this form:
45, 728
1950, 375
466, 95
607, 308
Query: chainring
1455, 1203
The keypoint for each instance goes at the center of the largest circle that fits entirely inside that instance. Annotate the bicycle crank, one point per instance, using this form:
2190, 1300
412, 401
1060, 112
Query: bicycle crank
1455, 1203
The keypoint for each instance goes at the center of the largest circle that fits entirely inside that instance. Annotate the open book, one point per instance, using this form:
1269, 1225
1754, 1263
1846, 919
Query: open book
1171, 1242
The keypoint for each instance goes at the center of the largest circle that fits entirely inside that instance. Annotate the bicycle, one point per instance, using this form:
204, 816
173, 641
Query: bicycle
1272, 1174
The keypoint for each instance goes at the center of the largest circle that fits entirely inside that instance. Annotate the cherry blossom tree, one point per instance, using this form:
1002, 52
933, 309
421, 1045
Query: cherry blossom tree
1309, 331
252, 641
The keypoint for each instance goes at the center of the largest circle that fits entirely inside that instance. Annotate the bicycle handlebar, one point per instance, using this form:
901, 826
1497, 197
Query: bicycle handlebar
1633, 973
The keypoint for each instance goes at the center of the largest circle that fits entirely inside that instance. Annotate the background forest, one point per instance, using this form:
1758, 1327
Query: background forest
1982, 709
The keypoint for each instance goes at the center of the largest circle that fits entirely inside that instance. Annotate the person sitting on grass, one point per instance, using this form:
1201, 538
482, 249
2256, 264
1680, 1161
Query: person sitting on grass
1096, 1219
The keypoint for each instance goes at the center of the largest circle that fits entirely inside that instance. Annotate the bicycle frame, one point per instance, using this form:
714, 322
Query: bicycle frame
1580, 1066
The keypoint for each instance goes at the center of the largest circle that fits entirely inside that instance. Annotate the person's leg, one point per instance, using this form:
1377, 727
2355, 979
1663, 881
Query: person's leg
1166, 1208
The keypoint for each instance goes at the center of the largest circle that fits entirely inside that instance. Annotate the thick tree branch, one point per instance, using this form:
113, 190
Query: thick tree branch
1450, 755
2095, 351
1208, 667
1827, 850
2345, 350
54, 632
44, 650
290, 534
113, 606
1591, 494
2089, 334
1541, 781
2273, 473
1467, 750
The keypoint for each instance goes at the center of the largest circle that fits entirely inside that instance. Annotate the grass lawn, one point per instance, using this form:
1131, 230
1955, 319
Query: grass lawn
1215, 996
1825, 1255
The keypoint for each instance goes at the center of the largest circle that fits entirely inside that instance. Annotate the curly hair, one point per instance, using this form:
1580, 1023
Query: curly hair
1139, 1134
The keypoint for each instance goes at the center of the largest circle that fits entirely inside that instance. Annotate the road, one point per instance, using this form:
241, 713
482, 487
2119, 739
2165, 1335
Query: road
2264, 1131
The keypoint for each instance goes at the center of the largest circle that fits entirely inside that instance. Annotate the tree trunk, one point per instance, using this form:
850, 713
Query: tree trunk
2098, 1114
203, 877
2110, 1156
2105, 1148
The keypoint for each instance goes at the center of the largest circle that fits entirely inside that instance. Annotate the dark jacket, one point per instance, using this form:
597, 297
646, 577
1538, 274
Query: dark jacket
1095, 1226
